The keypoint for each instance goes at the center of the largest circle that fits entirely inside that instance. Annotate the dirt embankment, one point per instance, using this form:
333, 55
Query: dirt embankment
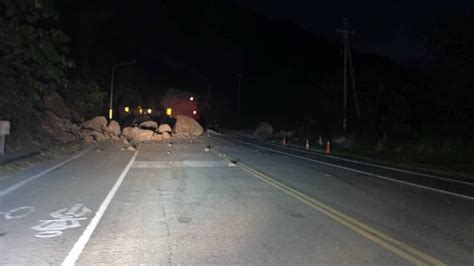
54, 126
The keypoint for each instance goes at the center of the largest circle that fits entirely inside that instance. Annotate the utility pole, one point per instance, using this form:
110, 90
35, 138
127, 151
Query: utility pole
348, 61
112, 76
356, 100
344, 94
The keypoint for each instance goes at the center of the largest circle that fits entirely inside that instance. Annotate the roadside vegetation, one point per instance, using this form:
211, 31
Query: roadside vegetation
34, 65
288, 76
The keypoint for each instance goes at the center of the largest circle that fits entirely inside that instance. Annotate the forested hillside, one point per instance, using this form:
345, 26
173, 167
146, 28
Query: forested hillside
70, 46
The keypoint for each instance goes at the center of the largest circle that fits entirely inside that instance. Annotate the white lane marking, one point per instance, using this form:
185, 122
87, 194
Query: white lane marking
17, 213
76, 250
31, 178
365, 173
64, 219
373, 165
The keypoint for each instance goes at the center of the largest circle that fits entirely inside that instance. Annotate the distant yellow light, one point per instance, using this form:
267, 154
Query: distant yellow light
195, 112
168, 111
191, 98
149, 110
140, 110
127, 109
110, 113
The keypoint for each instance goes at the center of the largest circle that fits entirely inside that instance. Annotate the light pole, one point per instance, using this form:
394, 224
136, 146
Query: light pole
112, 85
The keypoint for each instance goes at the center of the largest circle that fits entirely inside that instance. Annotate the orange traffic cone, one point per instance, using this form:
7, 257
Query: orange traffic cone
307, 144
328, 148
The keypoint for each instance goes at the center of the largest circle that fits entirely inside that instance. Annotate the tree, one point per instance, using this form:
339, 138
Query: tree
33, 56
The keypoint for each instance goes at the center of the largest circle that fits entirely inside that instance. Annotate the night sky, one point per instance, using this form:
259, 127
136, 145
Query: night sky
390, 28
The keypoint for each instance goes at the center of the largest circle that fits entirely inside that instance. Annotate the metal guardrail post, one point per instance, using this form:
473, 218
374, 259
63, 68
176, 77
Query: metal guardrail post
4, 131
2, 145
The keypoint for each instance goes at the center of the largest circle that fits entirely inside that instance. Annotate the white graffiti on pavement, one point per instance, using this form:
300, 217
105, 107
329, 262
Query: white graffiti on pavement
17, 213
64, 219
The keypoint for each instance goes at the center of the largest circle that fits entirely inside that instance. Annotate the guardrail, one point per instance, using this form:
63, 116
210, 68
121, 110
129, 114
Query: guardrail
4, 131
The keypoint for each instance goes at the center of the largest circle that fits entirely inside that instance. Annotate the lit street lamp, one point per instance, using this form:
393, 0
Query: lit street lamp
112, 85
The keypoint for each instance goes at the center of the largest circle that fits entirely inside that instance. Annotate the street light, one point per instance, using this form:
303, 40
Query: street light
112, 84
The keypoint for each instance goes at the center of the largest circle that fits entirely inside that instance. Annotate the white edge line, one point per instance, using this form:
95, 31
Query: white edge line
374, 165
366, 173
76, 250
31, 178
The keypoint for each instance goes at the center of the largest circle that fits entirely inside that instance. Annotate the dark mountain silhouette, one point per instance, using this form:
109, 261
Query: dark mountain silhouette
287, 72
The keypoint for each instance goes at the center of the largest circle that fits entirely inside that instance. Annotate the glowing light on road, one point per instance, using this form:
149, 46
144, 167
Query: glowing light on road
127, 109
148, 111
191, 99
168, 111
140, 110
195, 112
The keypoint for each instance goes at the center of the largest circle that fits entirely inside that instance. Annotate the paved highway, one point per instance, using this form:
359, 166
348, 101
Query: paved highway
242, 203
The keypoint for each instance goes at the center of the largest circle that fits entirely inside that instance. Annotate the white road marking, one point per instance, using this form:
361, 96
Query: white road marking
364, 172
372, 165
31, 178
76, 250
17, 213
64, 219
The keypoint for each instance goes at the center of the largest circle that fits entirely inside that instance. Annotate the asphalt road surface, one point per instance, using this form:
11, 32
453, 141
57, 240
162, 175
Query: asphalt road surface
240, 203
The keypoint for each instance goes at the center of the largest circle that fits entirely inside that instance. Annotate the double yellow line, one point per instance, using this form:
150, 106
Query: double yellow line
407, 252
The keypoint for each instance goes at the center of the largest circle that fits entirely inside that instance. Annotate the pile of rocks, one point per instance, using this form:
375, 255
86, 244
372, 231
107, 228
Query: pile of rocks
97, 129
264, 128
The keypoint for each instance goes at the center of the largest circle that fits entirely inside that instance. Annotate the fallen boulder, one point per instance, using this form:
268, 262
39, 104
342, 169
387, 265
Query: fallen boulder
139, 135
97, 123
113, 129
88, 139
157, 137
127, 132
125, 141
152, 125
187, 125
90, 136
164, 128
166, 135
58, 128
264, 128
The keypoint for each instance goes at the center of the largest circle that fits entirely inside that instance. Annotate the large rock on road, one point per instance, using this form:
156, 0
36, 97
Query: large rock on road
113, 129
97, 123
136, 134
164, 128
139, 135
264, 128
149, 125
91, 136
187, 125
127, 132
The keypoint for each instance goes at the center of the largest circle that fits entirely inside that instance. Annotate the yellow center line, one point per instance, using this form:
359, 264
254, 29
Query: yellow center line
403, 250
